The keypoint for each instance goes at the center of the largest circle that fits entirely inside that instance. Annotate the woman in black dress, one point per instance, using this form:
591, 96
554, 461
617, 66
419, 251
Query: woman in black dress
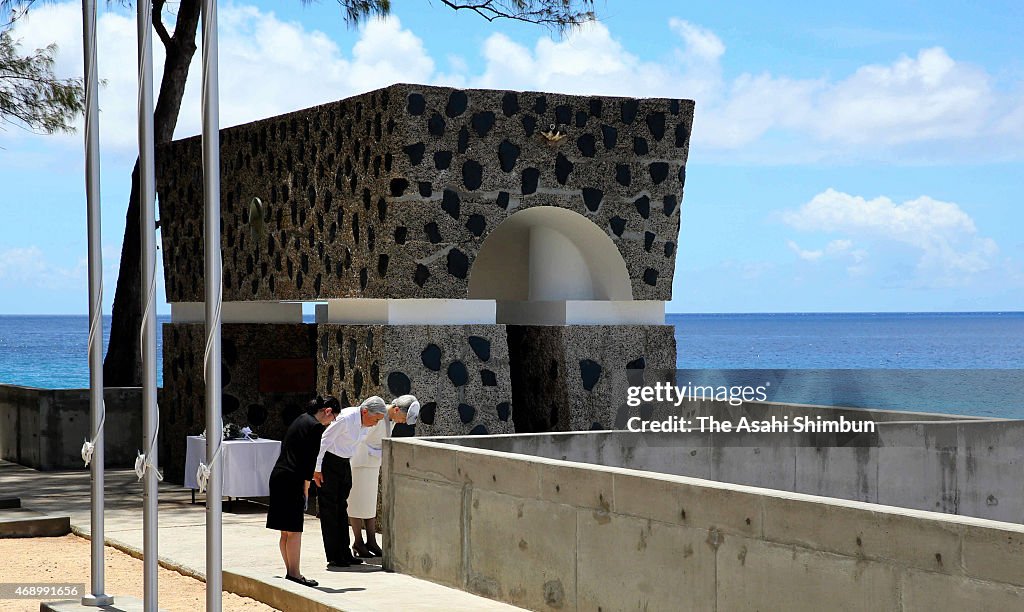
289, 482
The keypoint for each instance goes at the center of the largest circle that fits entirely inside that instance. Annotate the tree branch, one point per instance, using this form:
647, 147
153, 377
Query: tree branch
158, 23
560, 14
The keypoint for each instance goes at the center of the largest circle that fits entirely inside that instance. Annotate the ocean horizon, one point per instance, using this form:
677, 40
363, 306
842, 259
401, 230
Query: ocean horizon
865, 359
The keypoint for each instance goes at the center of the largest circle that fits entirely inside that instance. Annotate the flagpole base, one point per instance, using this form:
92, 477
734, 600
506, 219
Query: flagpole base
98, 600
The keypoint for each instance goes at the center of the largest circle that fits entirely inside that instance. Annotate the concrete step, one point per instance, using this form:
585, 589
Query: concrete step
25, 523
10, 502
121, 604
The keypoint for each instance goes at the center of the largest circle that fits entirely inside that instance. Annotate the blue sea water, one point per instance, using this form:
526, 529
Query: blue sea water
871, 360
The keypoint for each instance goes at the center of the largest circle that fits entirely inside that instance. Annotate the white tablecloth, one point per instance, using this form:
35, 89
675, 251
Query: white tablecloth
246, 465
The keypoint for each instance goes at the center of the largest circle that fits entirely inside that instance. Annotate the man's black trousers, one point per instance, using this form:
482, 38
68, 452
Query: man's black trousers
334, 507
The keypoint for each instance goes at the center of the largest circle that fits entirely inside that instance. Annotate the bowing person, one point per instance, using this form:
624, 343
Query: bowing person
289, 481
333, 474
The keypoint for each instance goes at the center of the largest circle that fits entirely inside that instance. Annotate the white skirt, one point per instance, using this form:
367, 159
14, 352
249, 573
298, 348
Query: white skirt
362, 500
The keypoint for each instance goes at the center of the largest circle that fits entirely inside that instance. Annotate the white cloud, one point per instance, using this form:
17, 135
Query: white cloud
30, 267
942, 237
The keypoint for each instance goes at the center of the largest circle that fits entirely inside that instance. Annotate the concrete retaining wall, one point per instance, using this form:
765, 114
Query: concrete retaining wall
44, 428
969, 468
553, 535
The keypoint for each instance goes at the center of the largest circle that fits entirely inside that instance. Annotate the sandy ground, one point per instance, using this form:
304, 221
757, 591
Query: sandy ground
66, 560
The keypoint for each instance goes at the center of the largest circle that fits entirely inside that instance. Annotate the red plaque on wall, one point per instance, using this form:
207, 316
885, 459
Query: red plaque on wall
287, 376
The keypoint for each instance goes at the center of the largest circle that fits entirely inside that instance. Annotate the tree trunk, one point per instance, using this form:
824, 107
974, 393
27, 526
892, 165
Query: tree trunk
123, 364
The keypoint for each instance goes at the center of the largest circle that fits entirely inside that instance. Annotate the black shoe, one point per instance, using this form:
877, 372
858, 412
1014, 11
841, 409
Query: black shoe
337, 563
375, 550
302, 580
350, 560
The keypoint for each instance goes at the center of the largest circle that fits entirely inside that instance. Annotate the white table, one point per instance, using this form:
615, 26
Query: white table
245, 464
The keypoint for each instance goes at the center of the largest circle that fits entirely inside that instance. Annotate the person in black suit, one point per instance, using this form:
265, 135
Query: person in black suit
289, 481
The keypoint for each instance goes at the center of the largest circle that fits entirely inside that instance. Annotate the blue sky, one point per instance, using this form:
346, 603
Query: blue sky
845, 157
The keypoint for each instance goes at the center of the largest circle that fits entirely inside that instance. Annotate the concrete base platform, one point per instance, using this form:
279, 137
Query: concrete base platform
121, 604
24, 523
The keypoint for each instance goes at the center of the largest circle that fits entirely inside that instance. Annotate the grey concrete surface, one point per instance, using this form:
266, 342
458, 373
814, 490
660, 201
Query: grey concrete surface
121, 604
45, 428
960, 466
252, 563
548, 534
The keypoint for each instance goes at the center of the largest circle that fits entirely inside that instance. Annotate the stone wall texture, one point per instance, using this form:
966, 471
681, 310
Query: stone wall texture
391, 193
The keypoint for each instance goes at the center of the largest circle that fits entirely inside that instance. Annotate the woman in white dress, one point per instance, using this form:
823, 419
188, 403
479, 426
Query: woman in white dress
362, 500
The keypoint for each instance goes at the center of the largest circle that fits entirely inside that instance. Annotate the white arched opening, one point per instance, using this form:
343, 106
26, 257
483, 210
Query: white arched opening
552, 266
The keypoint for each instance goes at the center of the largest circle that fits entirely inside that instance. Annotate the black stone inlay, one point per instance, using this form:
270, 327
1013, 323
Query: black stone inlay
463, 140
482, 123
382, 265
426, 189
659, 172
398, 187
581, 119
433, 234
435, 125
508, 153
488, 378
472, 174
399, 383
481, 346
442, 159
673, 107
375, 373
457, 102
458, 374
415, 153
401, 233
431, 357
229, 351
466, 413
682, 135
257, 414
618, 225
682, 176
476, 224
451, 203
479, 430
421, 275
590, 372
530, 178
344, 398
623, 176
427, 412
363, 279
610, 136
529, 124
651, 276
595, 107
540, 105
592, 198
510, 104
357, 383
643, 206
563, 167
417, 104
670, 249
502, 200
629, 110
596, 426
670, 204
229, 403
504, 411
563, 114
656, 124
587, 145
637, 364
649, 241
458, 263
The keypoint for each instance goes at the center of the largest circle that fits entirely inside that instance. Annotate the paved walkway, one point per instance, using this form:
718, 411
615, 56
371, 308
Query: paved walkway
251, 559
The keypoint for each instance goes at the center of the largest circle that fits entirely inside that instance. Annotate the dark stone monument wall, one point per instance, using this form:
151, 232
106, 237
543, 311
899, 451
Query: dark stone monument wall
391, 193
573, 378
459, 373
268, 374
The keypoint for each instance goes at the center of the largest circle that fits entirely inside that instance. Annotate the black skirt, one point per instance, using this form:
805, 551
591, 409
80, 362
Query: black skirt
287, 502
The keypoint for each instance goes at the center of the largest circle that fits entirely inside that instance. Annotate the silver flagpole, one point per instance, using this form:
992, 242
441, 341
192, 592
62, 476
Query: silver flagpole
147, 197
97, 595
211, 195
